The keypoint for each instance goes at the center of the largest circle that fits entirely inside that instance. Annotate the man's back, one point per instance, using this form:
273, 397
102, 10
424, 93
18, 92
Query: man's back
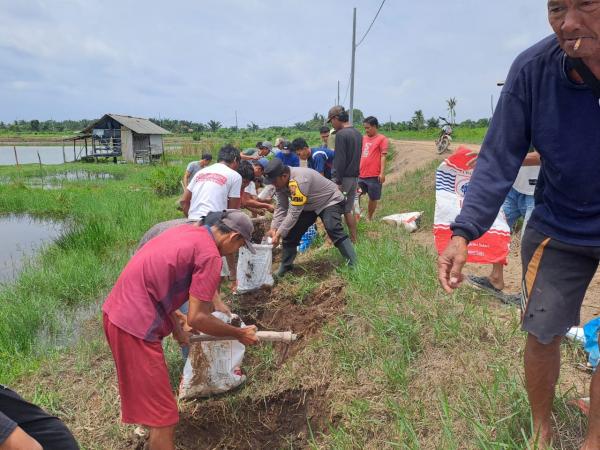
211, 188
348, 144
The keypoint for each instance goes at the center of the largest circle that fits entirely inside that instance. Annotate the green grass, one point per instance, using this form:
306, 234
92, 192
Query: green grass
461, 134
106, 218
405, 365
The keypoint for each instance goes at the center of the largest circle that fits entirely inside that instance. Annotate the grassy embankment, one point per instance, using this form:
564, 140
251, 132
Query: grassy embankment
403, 365
106, 219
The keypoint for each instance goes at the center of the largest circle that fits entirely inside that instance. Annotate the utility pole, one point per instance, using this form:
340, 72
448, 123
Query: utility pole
390, 127
352, 68
236, 123
338, 97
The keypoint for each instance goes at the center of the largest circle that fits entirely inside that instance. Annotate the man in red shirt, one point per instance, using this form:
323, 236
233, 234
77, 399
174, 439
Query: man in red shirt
372, 163
181, 263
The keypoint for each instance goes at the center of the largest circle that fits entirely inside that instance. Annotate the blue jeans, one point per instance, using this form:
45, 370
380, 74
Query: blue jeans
518, 205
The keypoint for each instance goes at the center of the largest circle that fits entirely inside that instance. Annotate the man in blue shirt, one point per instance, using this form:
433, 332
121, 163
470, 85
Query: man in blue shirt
319, 159
545, 103
287, 156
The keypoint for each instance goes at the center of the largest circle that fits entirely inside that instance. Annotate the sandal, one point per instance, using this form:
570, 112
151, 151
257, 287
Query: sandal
485, 284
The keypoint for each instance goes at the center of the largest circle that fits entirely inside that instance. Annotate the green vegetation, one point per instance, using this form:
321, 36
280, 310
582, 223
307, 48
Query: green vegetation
107, 216
399, 365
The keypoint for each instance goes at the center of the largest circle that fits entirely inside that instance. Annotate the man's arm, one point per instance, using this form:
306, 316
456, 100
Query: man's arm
186, 178
200, 318
234, 203
280, 210
290, 220
384, 151
503, 150
185, 202
339, 162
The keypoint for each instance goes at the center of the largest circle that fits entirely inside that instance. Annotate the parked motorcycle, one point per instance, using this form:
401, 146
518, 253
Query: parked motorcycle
445, 138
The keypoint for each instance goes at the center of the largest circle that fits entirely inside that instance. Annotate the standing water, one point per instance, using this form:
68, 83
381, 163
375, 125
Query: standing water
29, 155
23, 235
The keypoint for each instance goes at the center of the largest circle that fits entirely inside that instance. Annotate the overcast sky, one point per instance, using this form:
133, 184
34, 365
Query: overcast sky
274, 61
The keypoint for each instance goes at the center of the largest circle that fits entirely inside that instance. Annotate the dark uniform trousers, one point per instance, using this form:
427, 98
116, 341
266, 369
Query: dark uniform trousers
332, 220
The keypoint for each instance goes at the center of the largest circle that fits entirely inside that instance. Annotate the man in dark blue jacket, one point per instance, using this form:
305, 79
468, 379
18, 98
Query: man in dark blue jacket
319, 159
545, 103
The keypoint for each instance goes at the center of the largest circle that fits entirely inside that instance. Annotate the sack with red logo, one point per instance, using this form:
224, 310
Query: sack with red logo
451, 183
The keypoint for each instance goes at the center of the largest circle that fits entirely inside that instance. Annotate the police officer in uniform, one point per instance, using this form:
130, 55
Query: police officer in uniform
303, 195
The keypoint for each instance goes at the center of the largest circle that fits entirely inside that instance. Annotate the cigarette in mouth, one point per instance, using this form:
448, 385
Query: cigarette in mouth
577, 44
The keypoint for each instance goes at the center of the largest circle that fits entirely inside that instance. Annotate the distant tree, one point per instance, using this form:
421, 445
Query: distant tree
482, 123
452, 109
357, 116
214, 125
34, 125
433, 122
252, 126
418, 120
234, 129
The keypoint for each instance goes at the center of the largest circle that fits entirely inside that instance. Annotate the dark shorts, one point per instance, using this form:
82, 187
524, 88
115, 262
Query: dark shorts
48, 430
332, 220
370, 186
555, 278
349, 185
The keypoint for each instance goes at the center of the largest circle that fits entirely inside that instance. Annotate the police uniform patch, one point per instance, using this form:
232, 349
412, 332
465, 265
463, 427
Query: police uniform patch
297, 197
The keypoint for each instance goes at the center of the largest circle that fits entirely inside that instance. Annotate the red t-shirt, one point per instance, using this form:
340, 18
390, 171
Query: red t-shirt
370, 160
160, 277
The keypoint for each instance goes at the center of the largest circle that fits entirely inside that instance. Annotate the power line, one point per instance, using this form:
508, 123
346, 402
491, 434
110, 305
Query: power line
346, 94
370, 26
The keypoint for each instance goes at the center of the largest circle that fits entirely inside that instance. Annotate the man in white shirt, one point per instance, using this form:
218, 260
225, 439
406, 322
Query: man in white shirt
214, 188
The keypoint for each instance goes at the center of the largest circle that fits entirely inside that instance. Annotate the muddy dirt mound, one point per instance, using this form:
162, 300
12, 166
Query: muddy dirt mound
283, 420
281, 309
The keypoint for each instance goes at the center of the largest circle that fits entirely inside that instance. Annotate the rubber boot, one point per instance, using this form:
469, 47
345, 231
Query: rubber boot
347, 250
288, 255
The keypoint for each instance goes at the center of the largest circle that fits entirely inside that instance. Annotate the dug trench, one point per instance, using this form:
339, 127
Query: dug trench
292, 416
276, 408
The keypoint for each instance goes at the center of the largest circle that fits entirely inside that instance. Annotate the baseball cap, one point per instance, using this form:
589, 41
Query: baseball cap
335, 111
278, 141
260, 162
237, 221
273, 170
267, 144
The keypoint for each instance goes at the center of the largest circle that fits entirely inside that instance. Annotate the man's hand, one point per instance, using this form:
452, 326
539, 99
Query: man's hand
182, 337
381, 178
247, 335
275, 236
451, 262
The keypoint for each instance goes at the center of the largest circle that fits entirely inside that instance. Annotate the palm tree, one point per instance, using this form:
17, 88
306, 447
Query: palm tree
451, 109
214, 125
252, 126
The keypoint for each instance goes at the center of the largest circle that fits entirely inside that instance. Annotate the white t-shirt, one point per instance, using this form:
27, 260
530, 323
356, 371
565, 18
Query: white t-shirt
211, 187
526, 179
251, 189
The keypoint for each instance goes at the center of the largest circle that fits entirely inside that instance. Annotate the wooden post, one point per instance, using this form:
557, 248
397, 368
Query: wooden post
16, 158
74, 154
39, 159
63, 150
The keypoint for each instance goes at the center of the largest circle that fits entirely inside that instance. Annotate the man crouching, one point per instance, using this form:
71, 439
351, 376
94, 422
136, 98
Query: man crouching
182, 263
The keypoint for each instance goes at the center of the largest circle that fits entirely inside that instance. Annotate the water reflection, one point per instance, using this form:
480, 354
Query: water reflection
22, 236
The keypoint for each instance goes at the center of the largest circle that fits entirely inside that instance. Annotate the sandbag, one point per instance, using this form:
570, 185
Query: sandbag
410, 221
254, 271
451, 183
212, 367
